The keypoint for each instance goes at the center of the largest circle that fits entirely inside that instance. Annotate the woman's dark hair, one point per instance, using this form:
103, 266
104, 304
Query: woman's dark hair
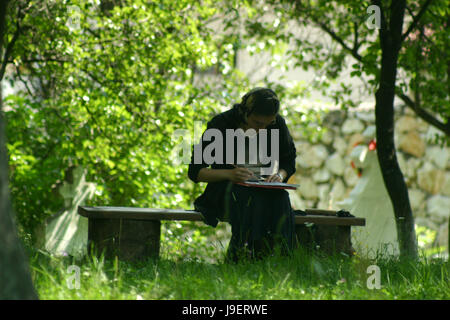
261, 101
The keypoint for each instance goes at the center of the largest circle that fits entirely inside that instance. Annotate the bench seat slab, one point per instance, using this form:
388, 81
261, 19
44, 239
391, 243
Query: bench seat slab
134, 233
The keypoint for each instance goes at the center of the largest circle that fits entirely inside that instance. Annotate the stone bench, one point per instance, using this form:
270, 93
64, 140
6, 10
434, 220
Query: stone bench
134, 233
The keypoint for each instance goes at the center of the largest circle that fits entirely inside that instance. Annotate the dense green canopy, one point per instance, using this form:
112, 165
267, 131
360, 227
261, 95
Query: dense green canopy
105, 84
106, 88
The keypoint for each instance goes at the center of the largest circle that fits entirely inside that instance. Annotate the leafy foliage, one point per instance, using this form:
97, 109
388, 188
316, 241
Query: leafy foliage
104, 85
328, 36
106, 88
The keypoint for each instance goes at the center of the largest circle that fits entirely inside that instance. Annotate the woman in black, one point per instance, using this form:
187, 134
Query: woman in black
260, 218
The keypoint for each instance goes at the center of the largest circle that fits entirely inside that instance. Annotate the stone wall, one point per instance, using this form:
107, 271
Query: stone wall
326, 176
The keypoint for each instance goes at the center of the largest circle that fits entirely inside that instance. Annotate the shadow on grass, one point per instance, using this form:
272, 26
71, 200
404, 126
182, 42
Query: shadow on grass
301, 275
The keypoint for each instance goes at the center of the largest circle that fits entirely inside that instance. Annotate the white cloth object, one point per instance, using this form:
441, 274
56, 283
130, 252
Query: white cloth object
370, 200
67, 233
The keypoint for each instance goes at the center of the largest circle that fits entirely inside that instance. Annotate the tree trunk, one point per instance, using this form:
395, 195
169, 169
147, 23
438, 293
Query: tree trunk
15, 279
390, 39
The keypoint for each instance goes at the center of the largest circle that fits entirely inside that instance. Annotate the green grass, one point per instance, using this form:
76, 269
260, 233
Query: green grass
302, 276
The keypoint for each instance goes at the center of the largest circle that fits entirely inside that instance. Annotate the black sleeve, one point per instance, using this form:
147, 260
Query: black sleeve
194, 168
288, 153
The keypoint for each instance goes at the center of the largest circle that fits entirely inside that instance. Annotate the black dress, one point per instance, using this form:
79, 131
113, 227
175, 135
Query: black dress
257, 216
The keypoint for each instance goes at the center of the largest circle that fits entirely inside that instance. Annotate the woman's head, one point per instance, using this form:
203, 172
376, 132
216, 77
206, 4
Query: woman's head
259, 108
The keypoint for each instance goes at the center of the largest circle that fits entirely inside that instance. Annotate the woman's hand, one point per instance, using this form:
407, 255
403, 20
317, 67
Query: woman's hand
239, 174
277, 177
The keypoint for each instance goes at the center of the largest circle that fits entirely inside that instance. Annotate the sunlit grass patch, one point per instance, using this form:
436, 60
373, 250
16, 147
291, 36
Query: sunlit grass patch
300, 276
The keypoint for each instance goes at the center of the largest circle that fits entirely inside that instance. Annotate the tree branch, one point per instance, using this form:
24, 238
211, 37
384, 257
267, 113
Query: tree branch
338, 39
19, 75
298, 7
11, 44
411, 13
355, 37
420, 112
40, 60
425, 115
416, 19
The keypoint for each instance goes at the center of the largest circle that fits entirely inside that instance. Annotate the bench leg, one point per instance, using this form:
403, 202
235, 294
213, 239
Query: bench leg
329, 239
128, 239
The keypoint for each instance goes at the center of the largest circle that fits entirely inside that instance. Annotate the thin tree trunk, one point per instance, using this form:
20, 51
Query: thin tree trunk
15, 278
390, 38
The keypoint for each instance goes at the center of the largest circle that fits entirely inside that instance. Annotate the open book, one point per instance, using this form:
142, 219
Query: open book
270, 185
